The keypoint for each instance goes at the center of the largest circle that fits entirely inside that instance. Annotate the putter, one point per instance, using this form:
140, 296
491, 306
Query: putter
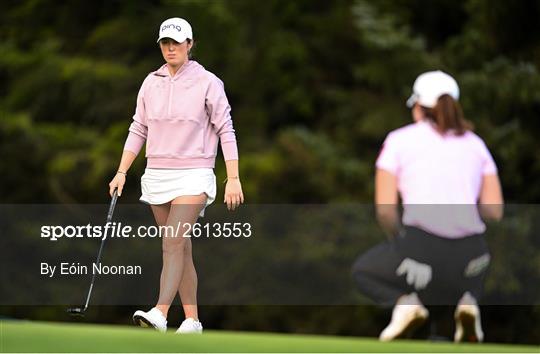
79, 311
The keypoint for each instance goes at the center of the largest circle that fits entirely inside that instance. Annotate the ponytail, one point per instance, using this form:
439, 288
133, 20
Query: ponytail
448, 115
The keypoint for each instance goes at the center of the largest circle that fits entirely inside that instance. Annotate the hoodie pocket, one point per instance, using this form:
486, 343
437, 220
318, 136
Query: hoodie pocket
174, 138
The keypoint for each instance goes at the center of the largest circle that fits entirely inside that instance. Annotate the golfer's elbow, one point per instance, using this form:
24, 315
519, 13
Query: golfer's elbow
388, 218
385, 216
492, 212
491, 201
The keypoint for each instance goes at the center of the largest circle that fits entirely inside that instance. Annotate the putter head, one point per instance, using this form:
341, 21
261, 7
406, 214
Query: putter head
76, 311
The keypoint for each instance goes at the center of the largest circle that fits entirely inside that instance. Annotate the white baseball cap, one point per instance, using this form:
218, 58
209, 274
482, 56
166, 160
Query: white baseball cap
431, 85
175, 28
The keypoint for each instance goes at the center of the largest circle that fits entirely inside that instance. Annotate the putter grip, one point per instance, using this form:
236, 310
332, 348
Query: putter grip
112, 205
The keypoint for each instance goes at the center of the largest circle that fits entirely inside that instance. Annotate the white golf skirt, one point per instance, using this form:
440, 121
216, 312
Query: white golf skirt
160, 186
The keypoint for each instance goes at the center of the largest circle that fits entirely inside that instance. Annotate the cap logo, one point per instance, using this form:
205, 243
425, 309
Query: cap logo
177, 27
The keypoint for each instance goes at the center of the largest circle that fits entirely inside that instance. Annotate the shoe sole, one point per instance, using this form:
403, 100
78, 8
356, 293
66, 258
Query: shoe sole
468, 323
143, 322
408, 330
188, 333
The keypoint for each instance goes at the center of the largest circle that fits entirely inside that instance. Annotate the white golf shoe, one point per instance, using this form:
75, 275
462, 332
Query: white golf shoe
153, 318
190, 326
468, 324
408, 314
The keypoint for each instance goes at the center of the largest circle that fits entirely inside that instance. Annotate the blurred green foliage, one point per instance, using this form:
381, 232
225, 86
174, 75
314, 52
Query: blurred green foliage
314, 85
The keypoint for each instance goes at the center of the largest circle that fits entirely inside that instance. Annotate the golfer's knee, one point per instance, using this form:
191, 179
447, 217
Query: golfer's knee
173, 245
188, 247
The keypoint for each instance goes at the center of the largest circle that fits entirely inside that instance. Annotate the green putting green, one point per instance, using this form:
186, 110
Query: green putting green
23, 336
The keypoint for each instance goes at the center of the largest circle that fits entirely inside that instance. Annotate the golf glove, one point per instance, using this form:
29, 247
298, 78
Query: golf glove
418, 274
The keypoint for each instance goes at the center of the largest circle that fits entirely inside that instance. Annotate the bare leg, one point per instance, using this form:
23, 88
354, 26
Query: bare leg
184, 211
161, 214
188, 285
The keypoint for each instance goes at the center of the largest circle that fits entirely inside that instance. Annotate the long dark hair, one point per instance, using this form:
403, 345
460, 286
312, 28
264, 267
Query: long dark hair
190, 52
448, 116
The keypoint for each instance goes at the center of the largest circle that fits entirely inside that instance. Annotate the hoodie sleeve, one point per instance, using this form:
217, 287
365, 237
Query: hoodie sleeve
138, 129
220, 116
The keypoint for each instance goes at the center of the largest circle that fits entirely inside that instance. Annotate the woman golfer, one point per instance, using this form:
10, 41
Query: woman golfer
182, 112
448, 182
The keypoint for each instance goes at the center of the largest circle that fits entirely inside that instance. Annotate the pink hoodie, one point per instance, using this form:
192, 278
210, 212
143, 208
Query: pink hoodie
182, 118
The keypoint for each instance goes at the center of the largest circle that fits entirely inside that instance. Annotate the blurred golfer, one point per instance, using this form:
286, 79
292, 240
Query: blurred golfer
448, 182
182, 112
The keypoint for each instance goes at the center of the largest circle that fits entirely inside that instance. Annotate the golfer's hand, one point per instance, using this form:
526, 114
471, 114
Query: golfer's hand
233, 194
117, 183
418, 274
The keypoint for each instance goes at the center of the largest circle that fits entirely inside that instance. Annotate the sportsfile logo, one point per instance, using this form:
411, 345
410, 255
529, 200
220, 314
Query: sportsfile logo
177, 27
119, 230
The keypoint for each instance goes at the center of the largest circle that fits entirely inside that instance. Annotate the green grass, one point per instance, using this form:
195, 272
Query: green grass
22, 336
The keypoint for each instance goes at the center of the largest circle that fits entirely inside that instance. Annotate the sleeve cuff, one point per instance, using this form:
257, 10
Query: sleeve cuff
490, 170
230, 150
387, 167
134, 143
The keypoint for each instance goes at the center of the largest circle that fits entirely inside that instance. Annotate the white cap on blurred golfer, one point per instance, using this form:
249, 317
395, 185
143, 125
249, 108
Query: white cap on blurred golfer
175, 28
431, 85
